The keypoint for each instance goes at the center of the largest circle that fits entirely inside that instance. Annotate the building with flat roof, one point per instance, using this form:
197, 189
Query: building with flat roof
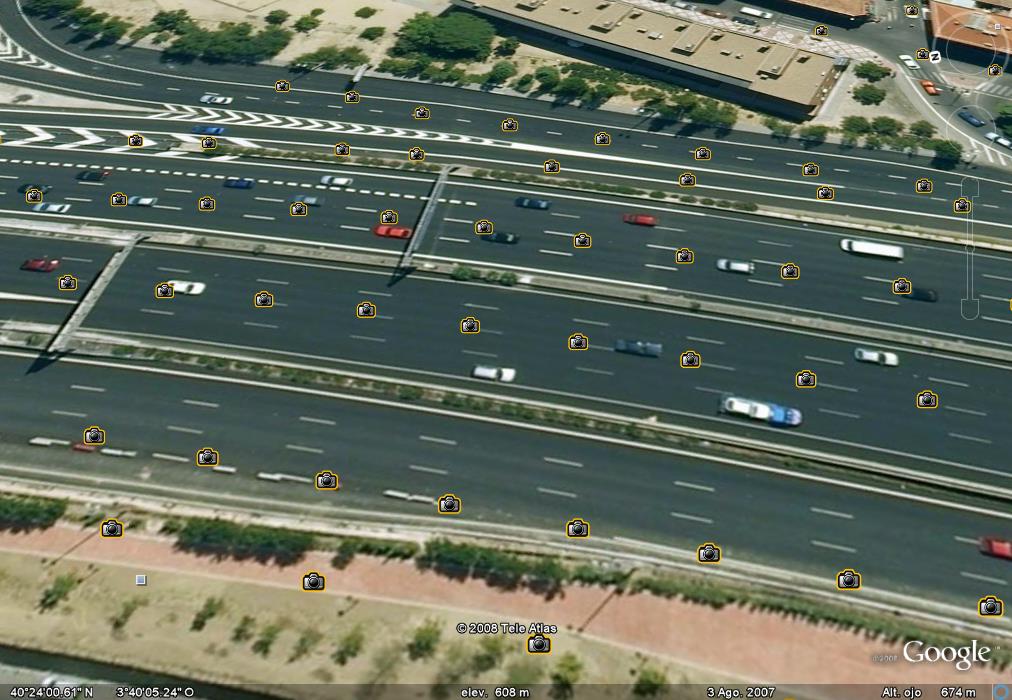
852, 9
987, 28
758, 72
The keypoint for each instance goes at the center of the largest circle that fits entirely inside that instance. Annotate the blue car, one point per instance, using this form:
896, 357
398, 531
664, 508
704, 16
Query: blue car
969, 117
209, 130
240, 183
782, 416
529, 203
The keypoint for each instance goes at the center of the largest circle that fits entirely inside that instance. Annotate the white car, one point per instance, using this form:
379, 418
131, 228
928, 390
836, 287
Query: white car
909, 62
744, 267
190, 288
757, 410
142, 201
215, 100
337, 180
878, 357
998, 139
310, 200
51, 208
494, 374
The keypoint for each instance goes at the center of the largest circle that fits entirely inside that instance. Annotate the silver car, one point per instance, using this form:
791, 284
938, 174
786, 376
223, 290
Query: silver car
878, 357
744, 267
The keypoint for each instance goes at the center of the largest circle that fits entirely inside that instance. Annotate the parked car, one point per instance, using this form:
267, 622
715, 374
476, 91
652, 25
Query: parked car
996, 547
41, 188
530, 203
216, 100
335, 180
878, 357
40, 264
240, 183
501, 237
744, 267
208, 130
929, 87
909, 62
51, 208
970, 118
142, 201
998, 139
643, 348
392, 231
744, 20
714, 13
494, 374
188, 288
640, 219
92, 175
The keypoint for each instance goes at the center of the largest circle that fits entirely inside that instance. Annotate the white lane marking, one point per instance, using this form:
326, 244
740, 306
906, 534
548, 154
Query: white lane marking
555, 252
464, 121
167, 207
898, 177
816, 358
830, 545
80, 260
831, 513
254, 324
554, 133
78, 199
767, 283
695, 487
878, 279
173, 269
949, 381
563, 462
670, 228
662, 247
554, 492
970, 438
986, 579
85, 387
998, 277
726, 368
711, 391
565, 216
173, 189
318, 421
744, 158
374, 294
369, 337
694, 518
354, 228
365, 209
428, 470
483, 307
202, 404
158, 312
454, 240
258, 216
303, 448
886, 192
649, 145
168, 457
995, 320
699, 339
591, 370
591, 323
841, 170
72, 414
967, 540
458, 221
842, 414
660, 267
968, 411
437, 440
838, 387
779, 245
880, 301
269, 281
476, 353
183, 429
269, 199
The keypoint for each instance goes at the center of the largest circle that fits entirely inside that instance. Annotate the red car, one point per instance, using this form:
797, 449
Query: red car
392, 231
995, 547
40, 265
640, 219
929, 87
84, 447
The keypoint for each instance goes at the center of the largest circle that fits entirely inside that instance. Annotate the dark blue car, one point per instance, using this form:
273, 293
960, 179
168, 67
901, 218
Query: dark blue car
529, 203
969, 117
209, 130
240, 183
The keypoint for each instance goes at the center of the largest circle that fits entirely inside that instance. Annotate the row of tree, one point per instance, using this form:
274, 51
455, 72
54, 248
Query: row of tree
22, 513
222, 538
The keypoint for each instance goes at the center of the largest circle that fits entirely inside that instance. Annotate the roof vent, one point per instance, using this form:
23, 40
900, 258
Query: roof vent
655, 35
635, 13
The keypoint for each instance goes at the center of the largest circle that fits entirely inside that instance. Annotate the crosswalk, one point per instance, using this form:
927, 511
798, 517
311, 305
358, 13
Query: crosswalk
995, 86
12, 52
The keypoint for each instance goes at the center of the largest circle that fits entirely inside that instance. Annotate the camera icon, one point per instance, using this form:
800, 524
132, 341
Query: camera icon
994, 69
117, 199
298, 209
810, 170
901, 285
790, 271
93, 435
922, 54
539, 644
690, 359
927, 399
342, 149
848, 580
207, 457
388, 216
416, 154
702, 153
923, 186
910, 10
352, 97
482, 227
111, 528
990, 606
135, 141
684, 256
470, 325
825, 193
206, 204
821, 30
708, 553
448, 504
577, 527
962, 205
164, 290
578, 341
365, 309
602, 138
553, 166
208, 143
282, 86
582, 240
67, 283
263, 300
313, 581
510, 125
421, 112
805, 379
33, 195
326, 481
686, 180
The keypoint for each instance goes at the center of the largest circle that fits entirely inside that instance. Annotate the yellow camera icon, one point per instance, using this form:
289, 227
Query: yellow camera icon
805, 379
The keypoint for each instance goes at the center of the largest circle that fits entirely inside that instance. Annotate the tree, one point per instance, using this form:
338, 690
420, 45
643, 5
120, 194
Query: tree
189, 45
114, 29
871, 71
316, 12
126, 610
523, 83
277, 17
922, 129
602, 92
365, 12
92, 26
500, 73
779, 129
650, 682
947, 151
48, 8
243, 631
868, 94
565, 675
58, 591
886, 126
710, 112
813, 134
372, 33
171, 21
424, 640
508, 46
855, 125
1004, 119
548, 77
306, 642
349, 645
491, 650
331, 57
268, 635
212, 606
23, 513
524, 671
456, 35
306, 23
571, 88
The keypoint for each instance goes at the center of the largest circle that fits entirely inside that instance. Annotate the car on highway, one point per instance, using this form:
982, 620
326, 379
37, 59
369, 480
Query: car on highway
929, 87
310, 200
531, 203
744, 20
188, 288
643, 348
501, 237
240, 183
772, 413
996, 547
872, 249
336, 180
970, 118
216, 100
40, 264
138, 201
922, 294
714, 13
783, 416
909, 62
877, 357
494, 374
51, 208
743, 267
84, 447
30, 186
208, 130
998, 139
640, 219
386, 231
93, 175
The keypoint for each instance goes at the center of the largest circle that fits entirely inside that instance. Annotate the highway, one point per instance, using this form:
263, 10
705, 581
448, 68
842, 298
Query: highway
832, 283
509, 475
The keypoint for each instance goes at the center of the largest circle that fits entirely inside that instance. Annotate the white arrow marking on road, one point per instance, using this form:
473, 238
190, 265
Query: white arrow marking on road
40, 135
87, 138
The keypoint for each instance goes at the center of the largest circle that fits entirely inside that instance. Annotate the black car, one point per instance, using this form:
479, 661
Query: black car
922, 294
501, 237
241, 183
529, 203
744, 20
92, 175
643, 348
41, 188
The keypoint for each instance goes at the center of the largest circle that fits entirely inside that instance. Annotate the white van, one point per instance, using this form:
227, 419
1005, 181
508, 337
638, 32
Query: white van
878, 250
756, 13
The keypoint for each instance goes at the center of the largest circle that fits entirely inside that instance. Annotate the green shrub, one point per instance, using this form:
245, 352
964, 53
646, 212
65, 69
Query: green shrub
706, 201
365, 12
349, 645
23, 513
372, 33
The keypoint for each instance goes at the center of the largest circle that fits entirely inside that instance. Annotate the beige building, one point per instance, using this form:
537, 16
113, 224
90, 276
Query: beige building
980, 26
748, 69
